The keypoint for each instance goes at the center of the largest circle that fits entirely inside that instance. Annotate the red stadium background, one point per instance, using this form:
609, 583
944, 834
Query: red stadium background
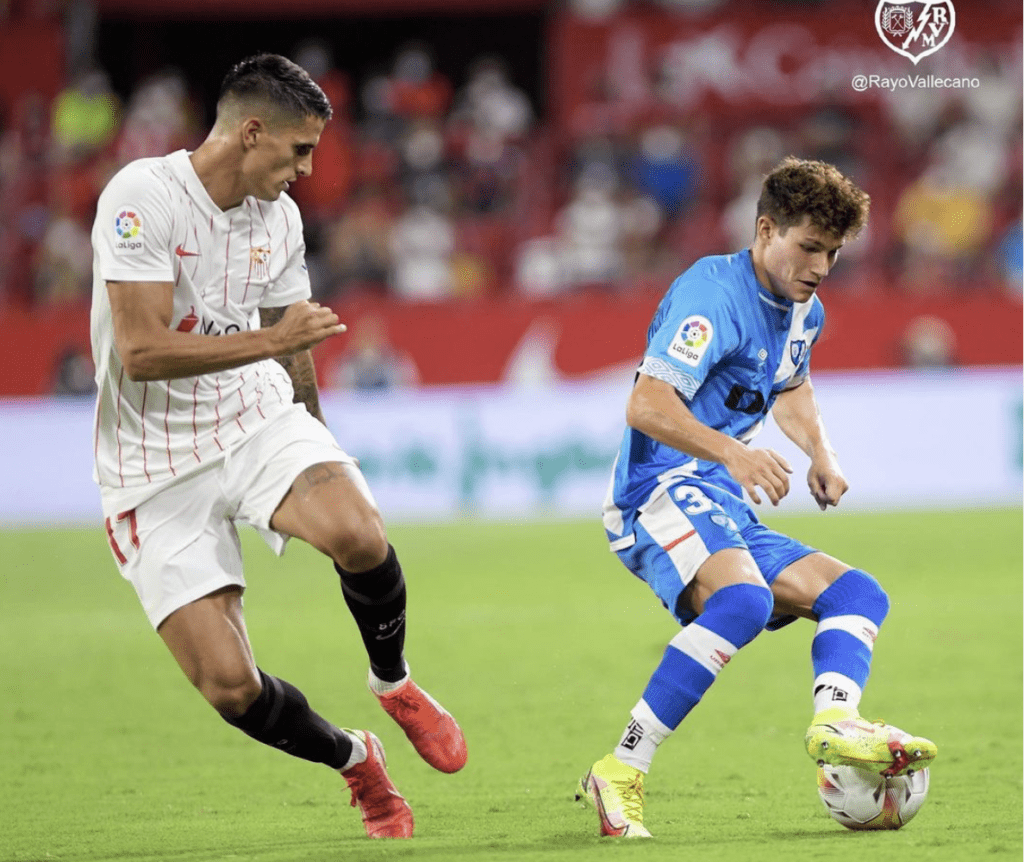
713, 83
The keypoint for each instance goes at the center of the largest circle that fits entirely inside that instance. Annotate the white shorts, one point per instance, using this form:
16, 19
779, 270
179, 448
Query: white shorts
182, 544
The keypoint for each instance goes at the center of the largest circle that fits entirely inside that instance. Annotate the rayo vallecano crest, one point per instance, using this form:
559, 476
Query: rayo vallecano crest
915, 29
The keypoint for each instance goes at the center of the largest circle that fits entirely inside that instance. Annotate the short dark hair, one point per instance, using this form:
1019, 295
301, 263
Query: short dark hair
279, 82
798, 187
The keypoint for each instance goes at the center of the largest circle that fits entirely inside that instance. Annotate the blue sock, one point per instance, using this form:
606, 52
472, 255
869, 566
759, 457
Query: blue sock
732, 618
850, 612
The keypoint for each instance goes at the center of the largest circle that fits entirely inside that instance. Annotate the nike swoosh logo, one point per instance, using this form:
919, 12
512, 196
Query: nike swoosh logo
180, 252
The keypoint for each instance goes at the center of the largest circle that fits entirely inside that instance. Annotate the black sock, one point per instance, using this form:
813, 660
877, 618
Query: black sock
376, 599
281, 718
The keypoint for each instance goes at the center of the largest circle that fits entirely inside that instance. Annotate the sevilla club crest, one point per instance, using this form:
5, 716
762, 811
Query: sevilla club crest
915, 29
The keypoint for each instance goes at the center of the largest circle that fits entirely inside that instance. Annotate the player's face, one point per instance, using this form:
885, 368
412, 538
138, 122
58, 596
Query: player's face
283, 154
794, 262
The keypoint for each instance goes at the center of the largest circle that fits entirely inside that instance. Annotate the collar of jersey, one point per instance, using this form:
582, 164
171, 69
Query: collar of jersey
181, 160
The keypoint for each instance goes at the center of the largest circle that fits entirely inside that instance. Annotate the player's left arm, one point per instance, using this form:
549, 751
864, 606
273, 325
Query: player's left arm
797, 414
299, 366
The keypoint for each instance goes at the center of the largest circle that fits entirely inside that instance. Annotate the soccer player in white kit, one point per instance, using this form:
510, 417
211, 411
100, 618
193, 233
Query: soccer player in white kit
207, 416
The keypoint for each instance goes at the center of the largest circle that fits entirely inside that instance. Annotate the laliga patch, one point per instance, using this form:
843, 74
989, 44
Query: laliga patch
128, 231
692, 340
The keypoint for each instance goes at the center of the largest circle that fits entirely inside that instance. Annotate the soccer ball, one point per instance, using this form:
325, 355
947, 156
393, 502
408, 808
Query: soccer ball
861, 799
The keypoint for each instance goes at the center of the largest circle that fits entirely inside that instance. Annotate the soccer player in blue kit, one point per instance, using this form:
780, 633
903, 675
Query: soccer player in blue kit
731, 341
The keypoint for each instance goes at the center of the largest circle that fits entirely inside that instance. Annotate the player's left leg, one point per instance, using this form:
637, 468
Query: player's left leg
330, 507
849, 606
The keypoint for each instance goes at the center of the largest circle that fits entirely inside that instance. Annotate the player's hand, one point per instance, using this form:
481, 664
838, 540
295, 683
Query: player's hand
826, 481
304, 325
759, 468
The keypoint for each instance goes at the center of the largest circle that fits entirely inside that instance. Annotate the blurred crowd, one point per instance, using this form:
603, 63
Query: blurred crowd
425, 188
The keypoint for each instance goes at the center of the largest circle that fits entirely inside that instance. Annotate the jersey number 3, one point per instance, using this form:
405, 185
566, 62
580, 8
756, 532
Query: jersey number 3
695, 497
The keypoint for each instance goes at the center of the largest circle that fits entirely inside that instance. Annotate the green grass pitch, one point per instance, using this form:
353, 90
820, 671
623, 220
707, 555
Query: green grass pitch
539, 642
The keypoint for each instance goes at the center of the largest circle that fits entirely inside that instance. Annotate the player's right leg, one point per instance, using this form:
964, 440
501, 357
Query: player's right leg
702, 572
849, 607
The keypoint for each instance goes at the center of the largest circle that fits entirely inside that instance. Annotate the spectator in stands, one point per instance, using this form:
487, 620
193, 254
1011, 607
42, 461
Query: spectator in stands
161, 117
663, 168
74, 373
24, 145
425, 168
63, 265
422, 241
943, 224
590, 228
490, 104
1010, 258
416, 90
356, 249
86, 116
928, 342
371, 363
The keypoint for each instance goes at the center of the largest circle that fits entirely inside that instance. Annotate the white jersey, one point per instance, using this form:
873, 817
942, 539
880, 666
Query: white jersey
155, 222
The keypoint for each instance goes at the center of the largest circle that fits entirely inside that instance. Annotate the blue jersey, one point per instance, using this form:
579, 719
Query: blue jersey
729, 347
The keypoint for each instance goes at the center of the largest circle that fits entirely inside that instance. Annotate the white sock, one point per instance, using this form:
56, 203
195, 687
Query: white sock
832, 689
641, 738
379, 686
359, 752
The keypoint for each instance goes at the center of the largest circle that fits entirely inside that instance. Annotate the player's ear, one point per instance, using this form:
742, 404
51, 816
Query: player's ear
765, 228
251, 130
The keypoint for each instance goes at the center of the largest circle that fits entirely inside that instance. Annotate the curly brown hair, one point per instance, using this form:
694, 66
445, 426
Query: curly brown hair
798, 187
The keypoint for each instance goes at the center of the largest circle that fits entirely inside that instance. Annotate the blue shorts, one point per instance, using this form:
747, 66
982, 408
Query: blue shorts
683, 524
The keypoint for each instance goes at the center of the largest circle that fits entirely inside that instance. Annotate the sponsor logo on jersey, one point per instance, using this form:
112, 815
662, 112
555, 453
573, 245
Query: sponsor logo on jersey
692, 340
916, 29
128, 228
180, 251
189, 321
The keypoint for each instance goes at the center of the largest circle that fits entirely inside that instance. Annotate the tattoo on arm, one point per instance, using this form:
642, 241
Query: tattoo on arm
299, 366
318, 474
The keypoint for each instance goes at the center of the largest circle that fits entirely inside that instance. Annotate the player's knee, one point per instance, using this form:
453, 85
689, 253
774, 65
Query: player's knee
741, 611
231, 694
359, 542
853, 592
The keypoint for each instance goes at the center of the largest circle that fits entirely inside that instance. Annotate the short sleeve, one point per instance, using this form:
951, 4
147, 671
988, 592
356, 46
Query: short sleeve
693, 333
131, 234
292, 285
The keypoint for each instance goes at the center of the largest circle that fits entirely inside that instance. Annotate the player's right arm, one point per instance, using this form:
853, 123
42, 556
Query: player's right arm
655, 409
150, 350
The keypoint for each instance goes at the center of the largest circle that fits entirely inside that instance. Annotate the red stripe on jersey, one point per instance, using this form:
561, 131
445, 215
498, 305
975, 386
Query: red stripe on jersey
167, 431
270, 243
241, 398
248, 275
288, 229
142, 419
117, 431
216, 411
259, 391
227, 261
195, 433
675, 542
277, 391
